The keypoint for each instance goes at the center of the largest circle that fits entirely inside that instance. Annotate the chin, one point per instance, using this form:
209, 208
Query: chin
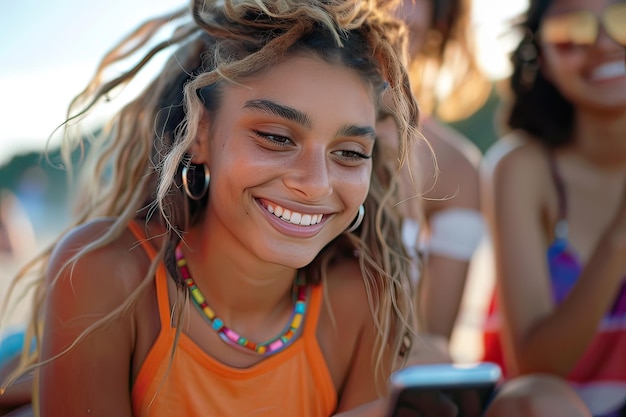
290, 259
297, 262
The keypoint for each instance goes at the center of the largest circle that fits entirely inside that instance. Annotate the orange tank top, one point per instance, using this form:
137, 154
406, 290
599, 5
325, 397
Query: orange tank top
293, 382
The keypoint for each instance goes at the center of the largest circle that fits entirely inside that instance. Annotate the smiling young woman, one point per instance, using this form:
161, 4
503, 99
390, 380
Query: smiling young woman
235, 205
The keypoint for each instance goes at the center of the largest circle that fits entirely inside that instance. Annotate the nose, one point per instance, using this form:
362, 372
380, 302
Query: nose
310, 174
604, 41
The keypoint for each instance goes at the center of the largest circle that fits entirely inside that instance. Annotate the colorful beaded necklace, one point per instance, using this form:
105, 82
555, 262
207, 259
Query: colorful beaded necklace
229, 335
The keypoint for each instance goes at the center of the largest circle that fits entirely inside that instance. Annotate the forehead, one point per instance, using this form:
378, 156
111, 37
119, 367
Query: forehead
328, 92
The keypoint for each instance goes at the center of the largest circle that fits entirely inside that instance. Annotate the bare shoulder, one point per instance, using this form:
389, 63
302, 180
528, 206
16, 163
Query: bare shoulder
500, 148
522, 177
94, 320
94, 262
524, 162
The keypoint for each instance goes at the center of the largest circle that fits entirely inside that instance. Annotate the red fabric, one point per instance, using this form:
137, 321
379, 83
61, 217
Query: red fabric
492, 343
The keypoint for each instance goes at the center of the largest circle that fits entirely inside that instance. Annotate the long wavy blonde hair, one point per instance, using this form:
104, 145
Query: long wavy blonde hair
134, 165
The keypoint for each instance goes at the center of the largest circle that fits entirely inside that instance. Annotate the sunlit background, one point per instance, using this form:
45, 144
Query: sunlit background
50, 49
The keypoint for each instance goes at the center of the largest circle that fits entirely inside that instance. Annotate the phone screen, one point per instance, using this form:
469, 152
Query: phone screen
443, 390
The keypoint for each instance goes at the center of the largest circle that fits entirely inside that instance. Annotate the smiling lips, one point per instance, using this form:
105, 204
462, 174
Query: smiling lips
294, 217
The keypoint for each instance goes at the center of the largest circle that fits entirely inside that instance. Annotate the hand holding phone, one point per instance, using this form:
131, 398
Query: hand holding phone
443, 390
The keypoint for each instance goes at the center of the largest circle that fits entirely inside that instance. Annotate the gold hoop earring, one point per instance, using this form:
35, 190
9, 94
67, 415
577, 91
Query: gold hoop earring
189, 182
357, 221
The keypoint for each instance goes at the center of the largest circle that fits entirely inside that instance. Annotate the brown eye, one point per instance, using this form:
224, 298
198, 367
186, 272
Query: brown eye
352, 155
276, 140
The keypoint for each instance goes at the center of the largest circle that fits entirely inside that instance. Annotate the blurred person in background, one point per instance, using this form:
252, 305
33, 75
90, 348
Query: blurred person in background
448, 85
556, 208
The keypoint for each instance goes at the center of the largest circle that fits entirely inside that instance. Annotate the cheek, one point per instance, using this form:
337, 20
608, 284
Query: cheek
565, 71
356, 187
562, 64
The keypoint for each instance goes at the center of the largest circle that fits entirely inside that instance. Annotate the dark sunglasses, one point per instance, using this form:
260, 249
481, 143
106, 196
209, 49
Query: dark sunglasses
581, 27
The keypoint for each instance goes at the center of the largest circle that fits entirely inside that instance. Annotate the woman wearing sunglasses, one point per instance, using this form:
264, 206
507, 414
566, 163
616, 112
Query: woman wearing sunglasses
557, 214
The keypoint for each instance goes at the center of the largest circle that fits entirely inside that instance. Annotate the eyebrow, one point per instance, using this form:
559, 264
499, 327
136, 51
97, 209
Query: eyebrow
303, 119
280, 110
360, 131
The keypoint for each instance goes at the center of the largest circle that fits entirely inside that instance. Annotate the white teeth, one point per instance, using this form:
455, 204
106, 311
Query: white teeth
294, 217
609, 70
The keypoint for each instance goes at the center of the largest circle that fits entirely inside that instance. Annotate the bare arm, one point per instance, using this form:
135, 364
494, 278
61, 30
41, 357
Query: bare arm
545, 337
92, 377
456, 187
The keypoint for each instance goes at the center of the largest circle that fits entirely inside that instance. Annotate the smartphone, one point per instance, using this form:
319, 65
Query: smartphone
443, 390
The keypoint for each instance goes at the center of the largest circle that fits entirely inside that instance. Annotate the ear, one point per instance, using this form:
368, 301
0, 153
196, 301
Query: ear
199, 150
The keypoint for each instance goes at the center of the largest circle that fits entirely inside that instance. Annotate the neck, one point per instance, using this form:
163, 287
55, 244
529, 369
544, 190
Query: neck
239, 287
601, 136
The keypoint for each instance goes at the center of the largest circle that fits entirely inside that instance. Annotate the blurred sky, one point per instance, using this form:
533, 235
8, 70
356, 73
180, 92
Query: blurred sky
50, 49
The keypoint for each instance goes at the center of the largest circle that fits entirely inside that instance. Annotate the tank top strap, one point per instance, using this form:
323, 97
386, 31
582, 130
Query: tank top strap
163, 301
560, 230
313, 312
325, 388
